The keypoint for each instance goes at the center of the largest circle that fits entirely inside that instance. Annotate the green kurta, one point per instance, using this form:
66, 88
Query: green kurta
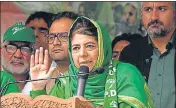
130, 88
6, 78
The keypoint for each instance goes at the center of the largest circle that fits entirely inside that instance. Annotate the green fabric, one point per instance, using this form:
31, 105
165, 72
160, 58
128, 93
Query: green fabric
19, 32
97, 81
130, 87
110, 99
36, 93
131, 92
95, 86
6, 78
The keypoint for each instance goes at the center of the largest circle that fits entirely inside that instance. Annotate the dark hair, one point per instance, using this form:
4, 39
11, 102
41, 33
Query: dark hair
65, 14
127, 37
134, 37
84, 26
46, 16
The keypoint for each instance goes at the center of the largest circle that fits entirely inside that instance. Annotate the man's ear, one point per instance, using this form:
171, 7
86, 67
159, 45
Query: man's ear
2, 49
5, 43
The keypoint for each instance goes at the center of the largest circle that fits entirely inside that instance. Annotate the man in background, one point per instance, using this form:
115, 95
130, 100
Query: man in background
57, 40
39, 22
17, 47
121, 41
155, 54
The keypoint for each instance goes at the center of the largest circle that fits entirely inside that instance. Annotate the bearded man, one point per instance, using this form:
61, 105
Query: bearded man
155, 54
17, 47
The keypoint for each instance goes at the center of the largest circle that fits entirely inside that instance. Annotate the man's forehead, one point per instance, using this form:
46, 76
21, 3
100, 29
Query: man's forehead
156, 4
63, 23
37, 22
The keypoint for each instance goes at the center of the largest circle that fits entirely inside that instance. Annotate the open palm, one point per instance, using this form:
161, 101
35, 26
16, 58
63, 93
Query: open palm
39, 69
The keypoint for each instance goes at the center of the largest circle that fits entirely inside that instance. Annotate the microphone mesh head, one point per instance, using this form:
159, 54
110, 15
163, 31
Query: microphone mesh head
83, 71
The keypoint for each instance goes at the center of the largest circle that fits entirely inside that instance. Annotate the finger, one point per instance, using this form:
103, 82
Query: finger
46, 60
32, 61
34, 72
50, 72
37, 57
41, 55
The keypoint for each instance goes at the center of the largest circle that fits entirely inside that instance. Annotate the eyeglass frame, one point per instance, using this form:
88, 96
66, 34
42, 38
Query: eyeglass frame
56, 35
17, 47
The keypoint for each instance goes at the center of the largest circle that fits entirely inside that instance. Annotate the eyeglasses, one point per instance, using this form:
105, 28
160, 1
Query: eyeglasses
41, 29
63, 37
12, 49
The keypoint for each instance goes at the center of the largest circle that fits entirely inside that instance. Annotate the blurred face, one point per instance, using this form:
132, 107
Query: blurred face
118, 48
58, 35
130, 15
41, 29
16, 61
158, 18
84, 50
81, 10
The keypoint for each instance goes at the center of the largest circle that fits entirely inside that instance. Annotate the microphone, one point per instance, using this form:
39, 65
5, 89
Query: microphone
98, 70
82, 78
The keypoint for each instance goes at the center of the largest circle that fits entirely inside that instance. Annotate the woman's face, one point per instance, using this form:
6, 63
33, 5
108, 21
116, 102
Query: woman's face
84, 50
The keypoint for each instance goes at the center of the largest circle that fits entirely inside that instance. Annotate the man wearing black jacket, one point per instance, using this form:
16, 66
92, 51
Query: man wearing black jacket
155, 54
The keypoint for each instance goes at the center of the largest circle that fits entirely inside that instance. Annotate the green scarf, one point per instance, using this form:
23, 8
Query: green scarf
130, 87
95, 85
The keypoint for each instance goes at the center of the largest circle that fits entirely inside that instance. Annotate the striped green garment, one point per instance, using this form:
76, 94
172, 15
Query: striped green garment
120, 85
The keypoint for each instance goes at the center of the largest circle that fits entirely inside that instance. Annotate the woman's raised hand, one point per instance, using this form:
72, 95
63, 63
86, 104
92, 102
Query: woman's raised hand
39, 69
